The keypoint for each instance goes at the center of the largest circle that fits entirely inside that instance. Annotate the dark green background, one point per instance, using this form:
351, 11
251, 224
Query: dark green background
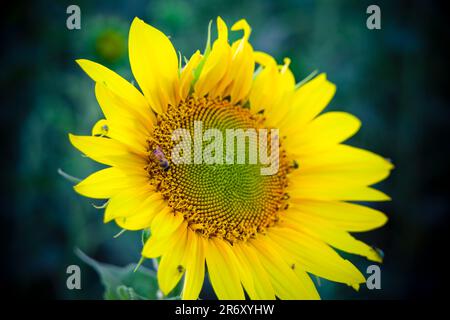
392, 79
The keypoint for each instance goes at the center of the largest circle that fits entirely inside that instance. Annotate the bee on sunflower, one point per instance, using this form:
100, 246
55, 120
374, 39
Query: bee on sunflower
263, 236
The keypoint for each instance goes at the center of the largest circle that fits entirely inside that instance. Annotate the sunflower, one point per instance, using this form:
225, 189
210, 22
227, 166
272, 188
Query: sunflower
256, 236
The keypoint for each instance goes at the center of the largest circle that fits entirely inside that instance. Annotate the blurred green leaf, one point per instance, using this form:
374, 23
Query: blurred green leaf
123, 283
127, 293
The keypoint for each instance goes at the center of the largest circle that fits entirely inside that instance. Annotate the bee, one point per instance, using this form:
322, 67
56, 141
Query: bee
158, 154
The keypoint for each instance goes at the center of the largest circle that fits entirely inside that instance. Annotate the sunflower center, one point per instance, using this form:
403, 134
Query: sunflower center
233, 201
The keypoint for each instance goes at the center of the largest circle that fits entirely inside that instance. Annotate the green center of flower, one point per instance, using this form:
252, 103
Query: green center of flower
223, 198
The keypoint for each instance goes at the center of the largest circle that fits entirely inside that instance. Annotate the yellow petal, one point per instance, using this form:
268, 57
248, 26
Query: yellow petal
112, 80
115, 109
241, 71
339, 166
172, 265
102, 184
154, 63
285, 282
212, 77
245, 272
222, 29
346, 216
314, 256
267, 89
308, 284
187, 74
157, 245
262, 287
138, 214
272, 89
122, 132
325, 131
338, 239
106, 151
222, 270
128, 202
100, 128
195, 267
307, 102
342, 157
122, 89
337, 193
166, 222
264, 59
242, 65
287, 82
343, 179
142, 217
242, 25
164, 226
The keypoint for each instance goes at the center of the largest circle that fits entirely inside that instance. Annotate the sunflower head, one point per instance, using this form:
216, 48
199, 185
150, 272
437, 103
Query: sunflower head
232, 166
216, 198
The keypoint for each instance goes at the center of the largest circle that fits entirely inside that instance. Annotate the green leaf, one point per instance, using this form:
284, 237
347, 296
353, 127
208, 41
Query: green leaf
127, 293
122, 283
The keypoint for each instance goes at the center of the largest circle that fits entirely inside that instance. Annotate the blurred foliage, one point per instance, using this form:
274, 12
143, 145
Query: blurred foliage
392, 79
132, 282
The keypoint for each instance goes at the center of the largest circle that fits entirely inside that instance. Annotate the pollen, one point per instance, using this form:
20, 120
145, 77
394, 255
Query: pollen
229, 201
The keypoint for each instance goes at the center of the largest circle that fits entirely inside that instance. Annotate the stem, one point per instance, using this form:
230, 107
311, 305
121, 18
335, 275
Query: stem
68, 176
